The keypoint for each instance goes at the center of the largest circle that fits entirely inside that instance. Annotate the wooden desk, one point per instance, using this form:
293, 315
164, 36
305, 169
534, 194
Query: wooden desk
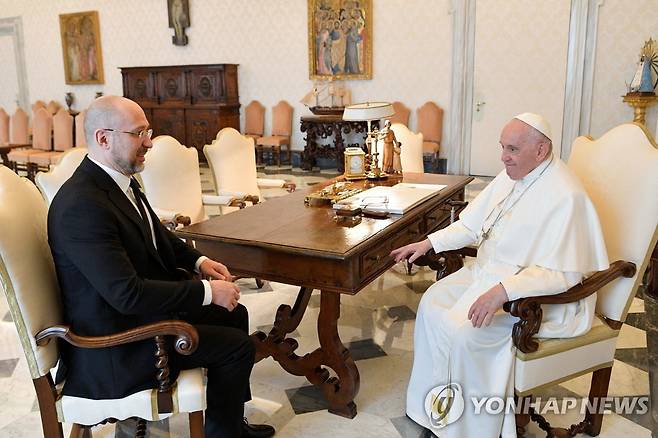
284, 241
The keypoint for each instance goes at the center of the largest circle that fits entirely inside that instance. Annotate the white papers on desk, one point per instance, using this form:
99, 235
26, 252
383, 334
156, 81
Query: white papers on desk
396, 199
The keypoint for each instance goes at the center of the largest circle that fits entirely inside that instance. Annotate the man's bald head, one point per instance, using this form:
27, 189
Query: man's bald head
106, 112
116, 132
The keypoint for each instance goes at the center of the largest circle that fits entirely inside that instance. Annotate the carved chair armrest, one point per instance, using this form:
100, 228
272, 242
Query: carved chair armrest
445, 262
187, 338
529, 309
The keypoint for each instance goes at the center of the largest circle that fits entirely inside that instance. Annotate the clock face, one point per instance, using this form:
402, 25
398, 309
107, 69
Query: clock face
356, 165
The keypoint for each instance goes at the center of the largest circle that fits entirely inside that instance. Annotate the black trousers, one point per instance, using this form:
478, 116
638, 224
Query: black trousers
228, 354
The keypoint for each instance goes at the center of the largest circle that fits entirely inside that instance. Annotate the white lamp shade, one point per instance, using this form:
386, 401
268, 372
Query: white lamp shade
368, 111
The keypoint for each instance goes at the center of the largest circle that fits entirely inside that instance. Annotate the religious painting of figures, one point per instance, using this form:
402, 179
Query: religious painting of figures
340, 39
81, 47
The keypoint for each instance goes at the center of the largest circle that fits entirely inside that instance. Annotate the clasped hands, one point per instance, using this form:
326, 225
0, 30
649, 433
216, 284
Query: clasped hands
483, 309
225, 293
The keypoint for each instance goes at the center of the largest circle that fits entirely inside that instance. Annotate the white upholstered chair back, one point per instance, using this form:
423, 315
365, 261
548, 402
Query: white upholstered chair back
27, 271
4, 127
50, 182
42, 130
52, 107
620, 173
62, 130
18, 129
231, 157
411, 152
38, 104
171, 178
80, 139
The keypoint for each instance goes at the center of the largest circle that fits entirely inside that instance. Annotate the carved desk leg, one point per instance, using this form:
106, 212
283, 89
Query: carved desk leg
339, 391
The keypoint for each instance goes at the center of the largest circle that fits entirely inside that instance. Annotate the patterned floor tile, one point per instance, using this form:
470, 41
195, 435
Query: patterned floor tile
407, 428
636, 357
364, 349
401, 313
7, 367
306, 399
637, 320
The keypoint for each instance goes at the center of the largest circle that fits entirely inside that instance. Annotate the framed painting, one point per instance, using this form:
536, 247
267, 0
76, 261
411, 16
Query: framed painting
340, 39
81, 47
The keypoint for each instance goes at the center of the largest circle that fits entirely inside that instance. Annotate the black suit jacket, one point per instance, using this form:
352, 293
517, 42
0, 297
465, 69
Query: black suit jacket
112, 278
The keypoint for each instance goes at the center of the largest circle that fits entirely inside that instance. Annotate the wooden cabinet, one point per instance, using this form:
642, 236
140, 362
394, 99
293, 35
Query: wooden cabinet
189, 102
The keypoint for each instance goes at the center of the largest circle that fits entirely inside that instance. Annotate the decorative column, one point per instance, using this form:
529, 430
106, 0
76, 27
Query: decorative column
640, 103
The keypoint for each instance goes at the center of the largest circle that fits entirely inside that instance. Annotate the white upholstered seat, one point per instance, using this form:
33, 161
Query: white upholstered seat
50, 182
29, 282
232, 161
172, 182
411, 152
620, 173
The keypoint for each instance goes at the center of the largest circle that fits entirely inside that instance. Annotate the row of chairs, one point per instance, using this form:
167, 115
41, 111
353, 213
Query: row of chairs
281, 129
51, 136
15, 129
429, 122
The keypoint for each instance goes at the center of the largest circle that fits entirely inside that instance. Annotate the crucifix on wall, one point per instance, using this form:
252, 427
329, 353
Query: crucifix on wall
179, 19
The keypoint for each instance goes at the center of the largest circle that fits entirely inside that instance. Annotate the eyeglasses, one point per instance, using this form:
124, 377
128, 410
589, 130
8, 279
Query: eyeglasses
144, 133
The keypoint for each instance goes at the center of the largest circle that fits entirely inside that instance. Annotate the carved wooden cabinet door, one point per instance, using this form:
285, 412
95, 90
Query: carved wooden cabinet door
169, 122
171, 86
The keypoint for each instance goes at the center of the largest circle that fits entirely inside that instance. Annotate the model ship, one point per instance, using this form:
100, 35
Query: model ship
327, 98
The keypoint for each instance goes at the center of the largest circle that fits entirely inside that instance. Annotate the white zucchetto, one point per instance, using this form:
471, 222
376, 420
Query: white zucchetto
537, 122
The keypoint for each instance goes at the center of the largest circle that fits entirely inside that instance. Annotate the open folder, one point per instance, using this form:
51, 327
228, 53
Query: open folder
396, 199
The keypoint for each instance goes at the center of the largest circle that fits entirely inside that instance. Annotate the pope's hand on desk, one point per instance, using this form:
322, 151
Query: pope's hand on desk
485, 307
225, 294
215, 270
411, 251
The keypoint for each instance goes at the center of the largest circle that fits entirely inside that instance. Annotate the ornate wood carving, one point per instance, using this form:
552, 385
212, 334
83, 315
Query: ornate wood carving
317, 127
186, 341
529, 309
189, 102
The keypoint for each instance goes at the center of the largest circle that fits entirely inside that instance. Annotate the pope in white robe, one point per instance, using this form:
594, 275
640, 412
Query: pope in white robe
537, 233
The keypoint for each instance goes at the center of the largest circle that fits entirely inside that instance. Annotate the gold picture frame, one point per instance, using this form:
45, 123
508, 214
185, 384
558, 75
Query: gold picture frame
81, 48
340, 39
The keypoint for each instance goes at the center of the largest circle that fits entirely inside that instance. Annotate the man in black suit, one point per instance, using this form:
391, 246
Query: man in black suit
116, 266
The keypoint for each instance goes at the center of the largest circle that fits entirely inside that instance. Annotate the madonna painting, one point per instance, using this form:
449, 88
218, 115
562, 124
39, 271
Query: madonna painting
340, 39
81, 47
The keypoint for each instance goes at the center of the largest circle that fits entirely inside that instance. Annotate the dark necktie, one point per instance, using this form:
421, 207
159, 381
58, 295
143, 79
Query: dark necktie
137, 193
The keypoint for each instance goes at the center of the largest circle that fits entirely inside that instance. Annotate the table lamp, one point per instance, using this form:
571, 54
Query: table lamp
368, 112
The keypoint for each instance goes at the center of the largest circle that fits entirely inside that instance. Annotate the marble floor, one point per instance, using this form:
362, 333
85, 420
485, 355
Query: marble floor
376, 325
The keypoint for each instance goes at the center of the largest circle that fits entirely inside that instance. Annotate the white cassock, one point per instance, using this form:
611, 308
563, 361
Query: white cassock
543, 236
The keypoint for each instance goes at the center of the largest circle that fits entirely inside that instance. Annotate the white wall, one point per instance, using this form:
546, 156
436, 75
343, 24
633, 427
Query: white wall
268, 38
623, 27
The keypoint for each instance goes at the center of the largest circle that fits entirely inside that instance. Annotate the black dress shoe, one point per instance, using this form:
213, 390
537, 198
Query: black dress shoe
256, 430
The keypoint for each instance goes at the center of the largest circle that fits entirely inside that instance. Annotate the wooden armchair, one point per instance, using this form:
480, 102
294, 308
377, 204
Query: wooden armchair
80, 139
18, 129
28, 279
62, 141
620, 173
401, 114
42, 128
177, 195
254, 120
4, 127
281, 133
430, 124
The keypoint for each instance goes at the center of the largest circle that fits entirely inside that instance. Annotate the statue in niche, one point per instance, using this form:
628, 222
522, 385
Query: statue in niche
179, 19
